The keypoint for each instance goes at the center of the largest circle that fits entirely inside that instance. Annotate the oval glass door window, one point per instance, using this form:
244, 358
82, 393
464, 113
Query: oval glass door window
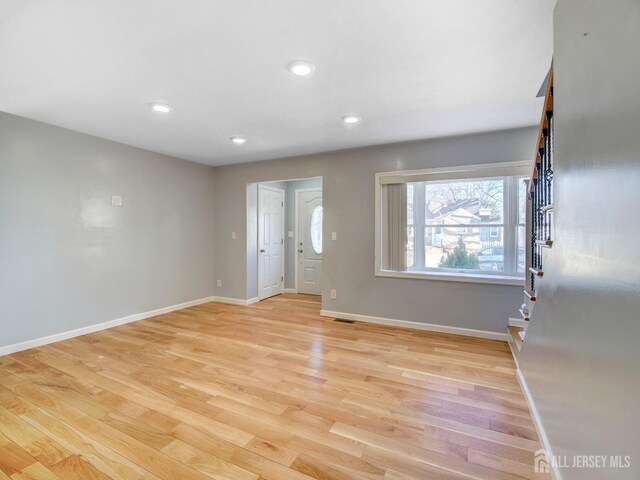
316, 230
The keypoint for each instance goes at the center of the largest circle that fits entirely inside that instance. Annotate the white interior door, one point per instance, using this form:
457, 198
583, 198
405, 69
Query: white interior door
270, 241
309, 241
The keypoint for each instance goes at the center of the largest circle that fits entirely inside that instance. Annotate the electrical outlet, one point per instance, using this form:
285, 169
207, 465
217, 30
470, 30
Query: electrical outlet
333, 295
334, 235
116, 200
233, 235
219, 283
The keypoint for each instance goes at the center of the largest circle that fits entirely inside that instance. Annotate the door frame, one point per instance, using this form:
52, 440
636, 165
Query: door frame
297, 193
282, 249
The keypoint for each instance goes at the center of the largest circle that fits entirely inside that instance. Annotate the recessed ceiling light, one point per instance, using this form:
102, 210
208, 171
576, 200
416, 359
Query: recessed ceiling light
351, 119
238, 140
301, 68
161, 107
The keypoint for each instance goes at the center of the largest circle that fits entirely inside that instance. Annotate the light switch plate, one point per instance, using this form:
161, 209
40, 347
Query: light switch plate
233, 235
333, 294
116, 200
334, 235
290, 234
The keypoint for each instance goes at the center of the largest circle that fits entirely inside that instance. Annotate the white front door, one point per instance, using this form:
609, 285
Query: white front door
270, 241
309, 241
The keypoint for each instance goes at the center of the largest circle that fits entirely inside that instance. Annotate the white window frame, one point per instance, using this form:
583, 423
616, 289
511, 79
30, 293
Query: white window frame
470, 172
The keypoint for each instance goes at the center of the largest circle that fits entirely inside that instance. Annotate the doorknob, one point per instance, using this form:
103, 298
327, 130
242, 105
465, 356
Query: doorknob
300, 251
262, 250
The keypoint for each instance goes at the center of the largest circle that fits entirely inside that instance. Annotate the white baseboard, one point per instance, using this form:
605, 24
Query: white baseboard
290, 290
236, 301
58, 337
469, 332
544, 440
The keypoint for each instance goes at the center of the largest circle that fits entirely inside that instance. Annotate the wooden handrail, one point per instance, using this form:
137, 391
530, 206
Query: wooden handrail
547, 107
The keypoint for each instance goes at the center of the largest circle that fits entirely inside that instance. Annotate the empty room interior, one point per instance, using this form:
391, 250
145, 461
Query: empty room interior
320, 239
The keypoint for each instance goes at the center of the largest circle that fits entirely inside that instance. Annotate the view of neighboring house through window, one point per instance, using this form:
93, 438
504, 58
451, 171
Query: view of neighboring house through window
462, 225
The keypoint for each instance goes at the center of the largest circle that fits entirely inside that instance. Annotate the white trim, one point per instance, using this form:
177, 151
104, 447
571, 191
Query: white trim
290, 290
469, 332
452, 277
58, 337
283, 180
296, 195
517, 322
537, 422
506, 169
236, 301
309, 189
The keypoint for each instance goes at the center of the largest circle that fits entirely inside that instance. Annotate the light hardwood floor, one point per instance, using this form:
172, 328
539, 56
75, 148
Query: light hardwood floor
271, 391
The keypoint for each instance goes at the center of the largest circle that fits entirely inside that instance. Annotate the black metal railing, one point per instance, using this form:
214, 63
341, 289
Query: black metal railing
542, 193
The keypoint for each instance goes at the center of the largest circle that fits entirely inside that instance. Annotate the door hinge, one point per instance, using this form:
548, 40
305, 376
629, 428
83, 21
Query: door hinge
282, 204
282, 241
282, 279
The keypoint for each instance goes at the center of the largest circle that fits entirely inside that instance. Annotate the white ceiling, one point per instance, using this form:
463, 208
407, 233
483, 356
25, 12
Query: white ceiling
412, 69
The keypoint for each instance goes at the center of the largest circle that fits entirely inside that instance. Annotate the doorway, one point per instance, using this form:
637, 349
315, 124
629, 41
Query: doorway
309, 213
270, 222
270, 241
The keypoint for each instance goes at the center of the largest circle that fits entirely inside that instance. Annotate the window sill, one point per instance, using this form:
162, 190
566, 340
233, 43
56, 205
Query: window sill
454, 277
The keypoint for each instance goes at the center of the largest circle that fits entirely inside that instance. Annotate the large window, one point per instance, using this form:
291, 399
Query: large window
465, 223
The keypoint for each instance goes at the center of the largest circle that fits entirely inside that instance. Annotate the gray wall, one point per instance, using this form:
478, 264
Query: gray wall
348, 263
68, 259
581, 354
